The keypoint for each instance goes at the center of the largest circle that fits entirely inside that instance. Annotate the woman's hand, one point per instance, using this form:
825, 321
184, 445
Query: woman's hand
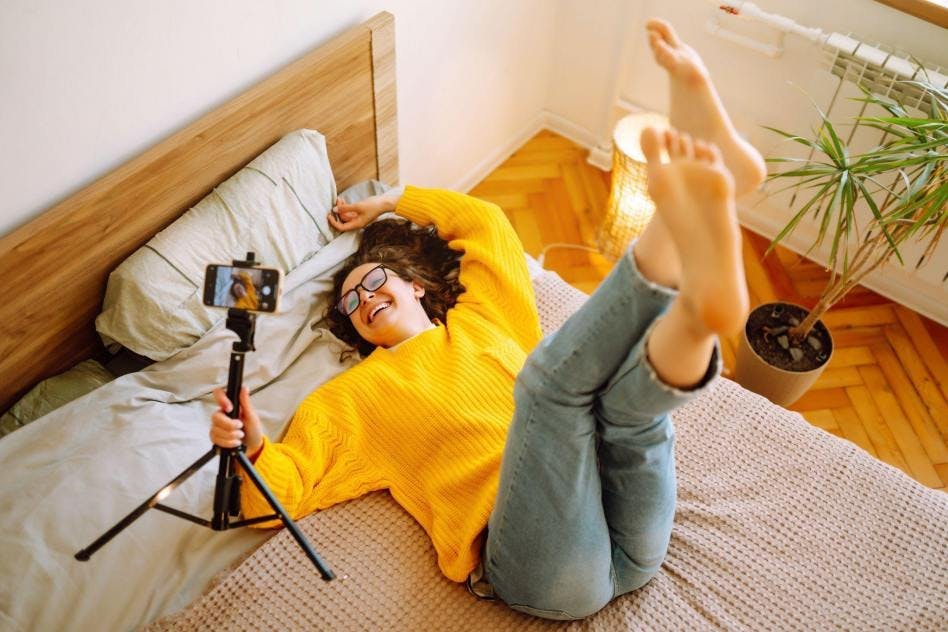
345, 217
229, 433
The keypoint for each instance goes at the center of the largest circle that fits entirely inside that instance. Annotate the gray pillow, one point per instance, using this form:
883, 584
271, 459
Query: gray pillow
276, 207
53, 392
364, 189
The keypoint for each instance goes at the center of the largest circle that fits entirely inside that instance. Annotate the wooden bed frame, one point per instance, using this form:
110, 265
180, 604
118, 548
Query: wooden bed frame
56, 266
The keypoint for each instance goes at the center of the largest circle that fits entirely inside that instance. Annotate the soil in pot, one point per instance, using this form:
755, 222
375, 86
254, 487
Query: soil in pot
766, 331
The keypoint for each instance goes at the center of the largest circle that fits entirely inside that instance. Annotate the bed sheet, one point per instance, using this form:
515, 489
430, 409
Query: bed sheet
71, 475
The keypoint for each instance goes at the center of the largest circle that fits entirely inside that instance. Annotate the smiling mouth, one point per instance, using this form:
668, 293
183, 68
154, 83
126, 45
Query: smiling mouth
377, 309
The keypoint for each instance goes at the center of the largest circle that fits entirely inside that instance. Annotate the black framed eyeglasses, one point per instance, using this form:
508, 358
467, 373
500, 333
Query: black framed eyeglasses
371, 281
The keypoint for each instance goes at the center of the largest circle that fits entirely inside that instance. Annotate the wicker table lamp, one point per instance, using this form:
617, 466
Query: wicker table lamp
629, 208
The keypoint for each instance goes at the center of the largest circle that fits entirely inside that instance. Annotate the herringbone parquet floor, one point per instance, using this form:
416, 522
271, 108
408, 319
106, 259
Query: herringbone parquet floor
887, 384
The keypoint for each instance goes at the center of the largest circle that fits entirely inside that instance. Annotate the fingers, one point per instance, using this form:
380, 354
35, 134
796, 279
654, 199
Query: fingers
245, 403
339, 206
339, 223
226, 432
226, 426
221, 397
345, 212
343, 219
345, 216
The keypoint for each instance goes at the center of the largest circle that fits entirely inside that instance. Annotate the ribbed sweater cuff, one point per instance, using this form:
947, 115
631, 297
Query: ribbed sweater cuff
252, 502
411, 206
453, 214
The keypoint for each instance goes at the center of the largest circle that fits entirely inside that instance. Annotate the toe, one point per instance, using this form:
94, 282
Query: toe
664, 29
674, 144
715, 153
655, 40
664, 54
686, 145
702, 151
671, 142
667, 56
651, 142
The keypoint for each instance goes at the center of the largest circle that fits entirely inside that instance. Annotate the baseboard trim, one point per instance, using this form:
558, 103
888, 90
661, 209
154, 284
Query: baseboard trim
600, 153
896, 284
601, 157
567, 128
495, 159
543, 120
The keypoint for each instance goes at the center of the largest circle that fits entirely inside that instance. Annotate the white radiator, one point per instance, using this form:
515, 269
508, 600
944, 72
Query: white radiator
879, 68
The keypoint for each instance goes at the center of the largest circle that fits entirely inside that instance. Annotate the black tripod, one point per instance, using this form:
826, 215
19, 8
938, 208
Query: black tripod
227, 489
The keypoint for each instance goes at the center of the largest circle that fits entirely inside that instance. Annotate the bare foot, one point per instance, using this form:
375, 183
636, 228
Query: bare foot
694, 196
655, 255
697, 109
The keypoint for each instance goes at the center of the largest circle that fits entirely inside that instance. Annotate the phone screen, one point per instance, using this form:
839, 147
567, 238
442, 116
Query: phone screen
255, 289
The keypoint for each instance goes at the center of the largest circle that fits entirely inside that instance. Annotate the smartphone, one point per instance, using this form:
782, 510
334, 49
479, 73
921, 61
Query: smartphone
252, 288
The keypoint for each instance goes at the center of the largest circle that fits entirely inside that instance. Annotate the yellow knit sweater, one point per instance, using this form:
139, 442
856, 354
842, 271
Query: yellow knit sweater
427, 420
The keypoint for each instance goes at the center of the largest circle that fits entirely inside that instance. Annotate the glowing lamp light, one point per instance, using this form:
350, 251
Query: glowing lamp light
629, 208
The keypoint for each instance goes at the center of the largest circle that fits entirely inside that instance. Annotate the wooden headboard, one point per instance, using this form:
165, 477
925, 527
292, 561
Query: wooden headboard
55, 267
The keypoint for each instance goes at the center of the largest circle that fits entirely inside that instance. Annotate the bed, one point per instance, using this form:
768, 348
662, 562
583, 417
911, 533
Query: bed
779, 525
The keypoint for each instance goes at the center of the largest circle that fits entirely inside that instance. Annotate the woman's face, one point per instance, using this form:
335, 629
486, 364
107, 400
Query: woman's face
238, 289
390, 314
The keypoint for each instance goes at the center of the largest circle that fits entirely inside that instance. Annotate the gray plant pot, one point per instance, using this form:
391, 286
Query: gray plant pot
779, 385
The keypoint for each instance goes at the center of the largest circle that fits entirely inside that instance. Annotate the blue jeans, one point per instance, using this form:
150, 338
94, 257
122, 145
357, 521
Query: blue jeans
587, 485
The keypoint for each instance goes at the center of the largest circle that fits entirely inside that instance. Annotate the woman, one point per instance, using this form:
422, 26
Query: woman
244, 292
542, 470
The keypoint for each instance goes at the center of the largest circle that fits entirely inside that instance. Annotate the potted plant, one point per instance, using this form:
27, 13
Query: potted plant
902, 182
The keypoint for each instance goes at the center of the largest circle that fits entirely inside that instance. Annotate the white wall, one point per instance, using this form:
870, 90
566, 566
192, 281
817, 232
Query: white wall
602, 56
602, 42
88, 85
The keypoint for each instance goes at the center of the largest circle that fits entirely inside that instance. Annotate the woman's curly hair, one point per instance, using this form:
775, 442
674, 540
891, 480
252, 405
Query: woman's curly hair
415, 254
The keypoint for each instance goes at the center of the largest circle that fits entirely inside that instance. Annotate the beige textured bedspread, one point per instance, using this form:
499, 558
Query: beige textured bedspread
779, 526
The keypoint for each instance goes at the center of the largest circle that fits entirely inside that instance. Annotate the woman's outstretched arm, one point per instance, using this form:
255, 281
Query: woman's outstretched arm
289, 468
493, 268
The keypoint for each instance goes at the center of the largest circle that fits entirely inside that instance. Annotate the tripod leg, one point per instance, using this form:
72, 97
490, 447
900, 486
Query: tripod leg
87, 552
324, 571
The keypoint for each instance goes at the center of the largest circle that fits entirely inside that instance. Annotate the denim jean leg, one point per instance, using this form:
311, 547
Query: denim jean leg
590, 346
548, 549
637, 463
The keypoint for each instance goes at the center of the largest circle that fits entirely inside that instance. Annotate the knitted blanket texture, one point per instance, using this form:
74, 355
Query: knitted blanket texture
779, 526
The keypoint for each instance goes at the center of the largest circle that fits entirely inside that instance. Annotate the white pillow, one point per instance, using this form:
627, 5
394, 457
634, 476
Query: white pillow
276, 207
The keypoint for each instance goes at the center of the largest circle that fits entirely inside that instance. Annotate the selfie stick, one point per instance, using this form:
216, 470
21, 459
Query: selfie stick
227, 489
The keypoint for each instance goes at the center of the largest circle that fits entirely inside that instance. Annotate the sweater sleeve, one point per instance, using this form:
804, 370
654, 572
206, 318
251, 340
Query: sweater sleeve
493, 269
290, 468
327, 454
